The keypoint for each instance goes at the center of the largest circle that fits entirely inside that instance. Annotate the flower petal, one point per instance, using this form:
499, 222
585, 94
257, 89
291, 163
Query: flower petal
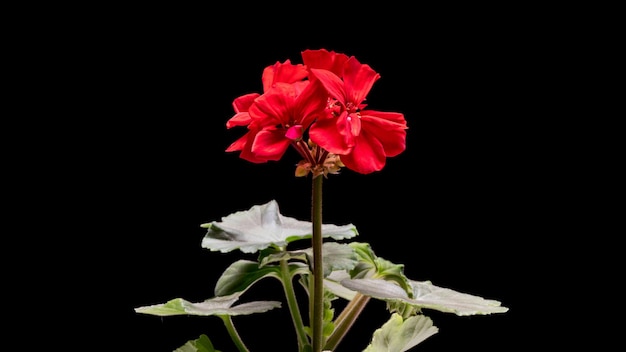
270, 144
358, 79
367, 155
333, 134
324, 59
285, 72
387, 127
332, 83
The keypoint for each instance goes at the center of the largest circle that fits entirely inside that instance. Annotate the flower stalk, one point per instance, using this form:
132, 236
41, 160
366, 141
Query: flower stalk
318, 267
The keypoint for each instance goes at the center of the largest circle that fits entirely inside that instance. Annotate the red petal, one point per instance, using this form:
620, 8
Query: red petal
243, 102
332, 83
240, 119
358, 80
367, 155
310, 104
389, 128
244, 144
294, 133
270, 144
274, 107
324, 59
282, 73
332, 134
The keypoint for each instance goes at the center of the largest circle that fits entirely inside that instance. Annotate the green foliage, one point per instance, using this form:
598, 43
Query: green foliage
399, 335
241, 275
371, 266
202, 344
349, 270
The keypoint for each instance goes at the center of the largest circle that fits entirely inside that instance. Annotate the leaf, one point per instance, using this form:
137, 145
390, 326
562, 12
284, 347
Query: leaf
332, 284
280, 256
202, 344
426, 295
399, 335
447, 300
262, 226
336, 256
371, 266
242, 274
214, 306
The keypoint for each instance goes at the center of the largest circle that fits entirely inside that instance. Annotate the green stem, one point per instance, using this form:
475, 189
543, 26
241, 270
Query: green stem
318, 267
233, 333
344, 321
292, 302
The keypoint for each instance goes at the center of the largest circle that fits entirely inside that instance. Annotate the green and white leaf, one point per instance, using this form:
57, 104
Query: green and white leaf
214, 306
399, 335
337, 256
371, 266
202, 344
262, 226
427, 295
242, 274
283, 255
332, 283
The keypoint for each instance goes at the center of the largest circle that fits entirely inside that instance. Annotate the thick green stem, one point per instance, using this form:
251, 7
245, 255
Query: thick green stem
233, 333
318, 267
292, 302
344, 321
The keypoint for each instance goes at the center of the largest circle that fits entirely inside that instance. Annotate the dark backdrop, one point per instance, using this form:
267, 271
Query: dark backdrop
457, 207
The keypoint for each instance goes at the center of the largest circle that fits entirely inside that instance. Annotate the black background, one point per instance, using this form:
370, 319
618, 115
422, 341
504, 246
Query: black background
467, 205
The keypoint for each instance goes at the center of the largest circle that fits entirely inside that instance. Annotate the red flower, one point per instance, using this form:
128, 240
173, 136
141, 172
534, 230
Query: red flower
329, 106
272, 75
283, 113
362, 138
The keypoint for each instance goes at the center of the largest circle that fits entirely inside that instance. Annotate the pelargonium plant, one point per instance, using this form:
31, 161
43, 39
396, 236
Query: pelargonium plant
318, 108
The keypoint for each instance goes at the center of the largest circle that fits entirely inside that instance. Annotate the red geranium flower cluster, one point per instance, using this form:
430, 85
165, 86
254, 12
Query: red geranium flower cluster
319, 108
